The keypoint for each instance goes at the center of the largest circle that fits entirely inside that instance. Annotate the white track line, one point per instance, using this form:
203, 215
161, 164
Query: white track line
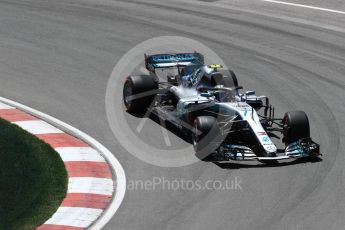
306, 6
5, 106
120, 183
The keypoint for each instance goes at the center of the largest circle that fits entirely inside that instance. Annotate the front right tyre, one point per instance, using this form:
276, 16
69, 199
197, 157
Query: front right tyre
296, 126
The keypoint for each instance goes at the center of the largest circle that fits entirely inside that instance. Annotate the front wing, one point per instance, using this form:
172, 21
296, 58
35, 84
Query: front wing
299, 149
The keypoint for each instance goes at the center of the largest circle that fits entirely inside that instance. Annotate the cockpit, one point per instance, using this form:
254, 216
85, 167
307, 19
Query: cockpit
204, 76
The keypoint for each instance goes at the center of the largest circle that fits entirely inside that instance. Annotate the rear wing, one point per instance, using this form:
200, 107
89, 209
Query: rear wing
157, 61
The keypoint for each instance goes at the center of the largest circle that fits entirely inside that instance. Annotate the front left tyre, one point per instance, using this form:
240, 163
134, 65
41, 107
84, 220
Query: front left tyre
206, 136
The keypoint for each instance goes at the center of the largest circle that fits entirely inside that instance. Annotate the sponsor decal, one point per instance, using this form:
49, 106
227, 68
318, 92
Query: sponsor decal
242, 105
262, 133
269, 148
266, 139
245, 112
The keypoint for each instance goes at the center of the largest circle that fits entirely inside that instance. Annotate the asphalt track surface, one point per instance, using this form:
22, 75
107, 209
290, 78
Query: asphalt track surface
56, 56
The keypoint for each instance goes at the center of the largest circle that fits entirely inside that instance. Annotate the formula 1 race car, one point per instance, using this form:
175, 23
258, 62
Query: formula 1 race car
207, 103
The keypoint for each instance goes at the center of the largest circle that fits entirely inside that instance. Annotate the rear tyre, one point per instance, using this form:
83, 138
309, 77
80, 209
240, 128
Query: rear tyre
139, 93
206, 136
296, 126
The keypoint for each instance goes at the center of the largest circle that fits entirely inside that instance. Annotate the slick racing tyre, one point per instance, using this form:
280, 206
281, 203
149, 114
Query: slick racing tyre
206, 136
296, 126
139, 93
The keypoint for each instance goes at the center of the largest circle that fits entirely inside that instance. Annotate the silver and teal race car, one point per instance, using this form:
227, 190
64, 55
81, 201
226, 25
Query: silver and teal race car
206, 102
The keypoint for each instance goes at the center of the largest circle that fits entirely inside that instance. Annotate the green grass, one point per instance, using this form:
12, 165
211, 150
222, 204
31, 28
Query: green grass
33, 179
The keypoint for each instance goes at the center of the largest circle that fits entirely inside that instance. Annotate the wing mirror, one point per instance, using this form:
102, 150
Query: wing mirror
250, 93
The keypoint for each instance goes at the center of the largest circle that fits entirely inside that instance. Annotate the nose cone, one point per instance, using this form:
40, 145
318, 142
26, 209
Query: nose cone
270, 149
